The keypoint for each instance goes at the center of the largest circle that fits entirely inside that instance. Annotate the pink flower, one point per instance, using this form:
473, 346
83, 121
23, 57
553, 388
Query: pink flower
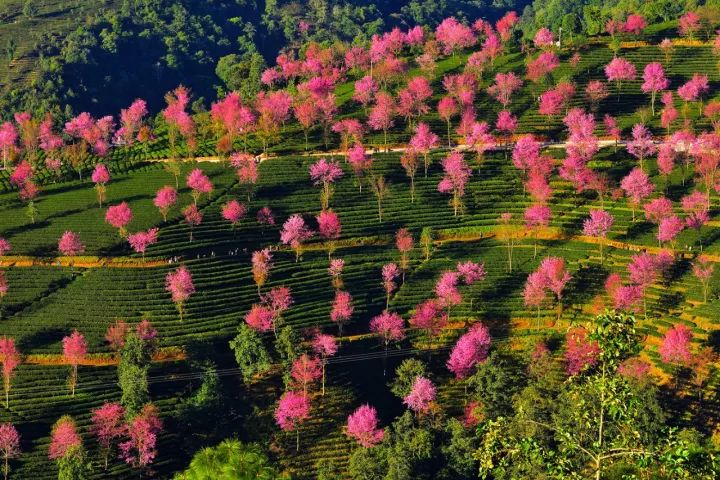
471, 272
342, 308
669, 229
233, 211
658, 209
620, 70
635, 24
472, 348
119, 215
180, 286
675, 347
142, 431
141, 240
598, 224
580, 352
293, 409
259, 318
689, 24
164, 200
505, 85
324, 345
506, 122
537, 216
388, 326
324, 171
70, 244
362, 425
544, 38
446, 289
454, 36
634, 368
265, 216
100, 175
5, 247
422, 394
429, 316
64, 438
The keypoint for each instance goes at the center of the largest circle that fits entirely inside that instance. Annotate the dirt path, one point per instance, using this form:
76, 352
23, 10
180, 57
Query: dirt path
79, 262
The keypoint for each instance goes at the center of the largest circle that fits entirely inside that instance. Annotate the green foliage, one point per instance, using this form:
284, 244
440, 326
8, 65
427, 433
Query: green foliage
250, 353
405, 375
241, 74
133, 374
496, 380
231, 460
73, 465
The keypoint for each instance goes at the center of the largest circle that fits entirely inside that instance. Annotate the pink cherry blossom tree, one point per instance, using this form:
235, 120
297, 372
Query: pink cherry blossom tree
180, 285
325, 173
423, 142
703, 270
108, 426
580, 351
471, 349
620, 70
10, 358
119, 216
8, 141
193, 218
199, 184
675, 346
329, 228
100, 177
259, 318
537, 216
390, 327
178, 120
422, 394
429, 317
247, 171
306, 370
324, 347
637, 186
382, 114
456, 176
70, 244
447, 108
654, 80
362, 425
131, 121
64, 439
234, 211
596, 91
140, 448
506, 84
9, 445
294, 232
261, 265
337, 265
453, 36
641, 146
365, 90
292, 411
669, 228
74, 352
359, 161
140, 241
342, 309
390, 273
598, 225
164, 200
